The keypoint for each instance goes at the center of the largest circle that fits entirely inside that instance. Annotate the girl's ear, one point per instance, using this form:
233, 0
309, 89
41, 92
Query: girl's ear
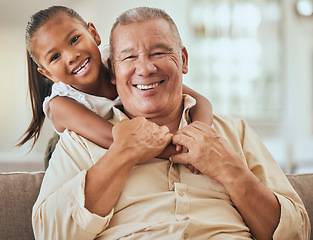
185, 60
47, 74
94, 33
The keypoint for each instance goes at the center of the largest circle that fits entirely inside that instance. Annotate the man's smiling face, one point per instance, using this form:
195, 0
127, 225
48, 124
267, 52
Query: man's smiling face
148, 66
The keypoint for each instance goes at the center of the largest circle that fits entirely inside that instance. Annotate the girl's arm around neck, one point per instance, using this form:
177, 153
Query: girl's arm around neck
202, 111
70, 114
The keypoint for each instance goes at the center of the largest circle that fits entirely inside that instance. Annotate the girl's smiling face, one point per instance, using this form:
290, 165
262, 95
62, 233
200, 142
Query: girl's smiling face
68, 51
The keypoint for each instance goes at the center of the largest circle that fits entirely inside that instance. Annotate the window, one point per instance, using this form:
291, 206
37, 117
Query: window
235, 56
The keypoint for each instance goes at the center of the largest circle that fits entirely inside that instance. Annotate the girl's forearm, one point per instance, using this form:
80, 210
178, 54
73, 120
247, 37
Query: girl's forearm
69, 114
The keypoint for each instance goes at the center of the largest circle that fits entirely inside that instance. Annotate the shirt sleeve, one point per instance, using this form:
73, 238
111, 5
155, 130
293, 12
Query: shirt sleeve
59, 211
294, 221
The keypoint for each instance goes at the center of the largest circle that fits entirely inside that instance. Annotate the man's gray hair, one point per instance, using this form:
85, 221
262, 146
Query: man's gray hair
141, 14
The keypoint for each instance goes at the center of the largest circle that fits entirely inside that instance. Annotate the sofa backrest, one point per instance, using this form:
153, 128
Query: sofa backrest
19, 192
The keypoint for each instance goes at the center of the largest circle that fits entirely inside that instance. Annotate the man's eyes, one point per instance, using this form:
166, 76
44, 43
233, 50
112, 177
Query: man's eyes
130, 57
157, 53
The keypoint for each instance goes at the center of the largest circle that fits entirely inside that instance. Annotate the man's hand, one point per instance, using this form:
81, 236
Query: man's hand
144, 139
211, 154
208, 152
135, 141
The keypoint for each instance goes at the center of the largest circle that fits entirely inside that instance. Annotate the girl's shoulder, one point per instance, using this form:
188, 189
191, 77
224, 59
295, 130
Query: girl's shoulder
63, 90
61, 87
99, 105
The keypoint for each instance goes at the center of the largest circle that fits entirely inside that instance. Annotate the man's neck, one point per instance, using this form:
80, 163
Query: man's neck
170, 119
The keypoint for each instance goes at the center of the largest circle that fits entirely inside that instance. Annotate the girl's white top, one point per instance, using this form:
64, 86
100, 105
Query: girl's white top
99, 105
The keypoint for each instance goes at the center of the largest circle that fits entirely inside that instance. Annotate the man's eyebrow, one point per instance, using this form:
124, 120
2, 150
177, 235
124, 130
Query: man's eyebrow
66, 37
157, 46
162, 46
125, 51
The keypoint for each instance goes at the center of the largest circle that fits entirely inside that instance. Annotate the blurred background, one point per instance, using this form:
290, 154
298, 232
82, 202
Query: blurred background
252, 59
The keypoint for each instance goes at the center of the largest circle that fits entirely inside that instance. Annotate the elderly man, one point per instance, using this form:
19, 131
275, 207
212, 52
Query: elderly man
126, 192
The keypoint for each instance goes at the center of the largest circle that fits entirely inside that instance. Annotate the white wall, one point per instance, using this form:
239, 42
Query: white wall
292, 140
297, 119
104, 12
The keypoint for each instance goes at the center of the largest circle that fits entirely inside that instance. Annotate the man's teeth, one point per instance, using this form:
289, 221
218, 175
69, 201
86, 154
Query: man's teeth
145, 87
81, 68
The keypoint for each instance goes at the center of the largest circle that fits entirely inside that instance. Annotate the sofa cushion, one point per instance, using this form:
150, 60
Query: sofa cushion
19, 192
303, 184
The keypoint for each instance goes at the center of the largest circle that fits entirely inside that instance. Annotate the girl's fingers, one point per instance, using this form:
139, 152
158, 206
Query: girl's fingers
192, 169
179, 148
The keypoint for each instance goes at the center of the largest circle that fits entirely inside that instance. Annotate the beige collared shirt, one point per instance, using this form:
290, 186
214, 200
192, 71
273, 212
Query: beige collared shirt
160, 200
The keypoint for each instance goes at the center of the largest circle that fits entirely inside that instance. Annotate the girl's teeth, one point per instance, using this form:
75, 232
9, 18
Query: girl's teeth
145, 87
80, 69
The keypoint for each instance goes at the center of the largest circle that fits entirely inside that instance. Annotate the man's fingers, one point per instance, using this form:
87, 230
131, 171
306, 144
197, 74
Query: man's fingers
190, 131
168, 138
181, 158
183, 140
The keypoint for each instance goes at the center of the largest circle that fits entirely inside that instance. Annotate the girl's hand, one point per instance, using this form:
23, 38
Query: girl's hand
142, 139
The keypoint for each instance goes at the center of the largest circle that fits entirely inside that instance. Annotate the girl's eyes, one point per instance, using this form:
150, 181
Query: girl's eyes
72, 42
54, 57
74, 39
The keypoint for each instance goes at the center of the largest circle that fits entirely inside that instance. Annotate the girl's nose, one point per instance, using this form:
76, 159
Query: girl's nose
145, 67
72, 56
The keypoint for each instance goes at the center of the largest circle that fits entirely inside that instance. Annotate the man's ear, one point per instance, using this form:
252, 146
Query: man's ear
113, 80
185, 60
94, 33
47, 74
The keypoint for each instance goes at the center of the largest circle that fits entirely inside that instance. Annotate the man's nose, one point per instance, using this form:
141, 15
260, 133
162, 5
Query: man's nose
145, 66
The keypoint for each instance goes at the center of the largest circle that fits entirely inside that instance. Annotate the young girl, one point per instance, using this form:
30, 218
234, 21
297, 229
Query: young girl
64, 61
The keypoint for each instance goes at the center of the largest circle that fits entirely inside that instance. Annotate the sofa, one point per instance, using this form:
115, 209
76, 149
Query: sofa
19, 191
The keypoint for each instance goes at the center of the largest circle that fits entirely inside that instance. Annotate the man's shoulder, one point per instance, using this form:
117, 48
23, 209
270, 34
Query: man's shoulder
69, 137
226, 118
73, 142
227, 122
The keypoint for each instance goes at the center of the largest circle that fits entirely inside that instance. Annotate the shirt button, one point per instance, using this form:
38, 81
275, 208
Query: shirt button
186, 235
181, 194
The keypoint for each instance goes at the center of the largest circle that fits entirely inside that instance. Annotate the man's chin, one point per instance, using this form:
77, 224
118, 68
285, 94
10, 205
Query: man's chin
147, 112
